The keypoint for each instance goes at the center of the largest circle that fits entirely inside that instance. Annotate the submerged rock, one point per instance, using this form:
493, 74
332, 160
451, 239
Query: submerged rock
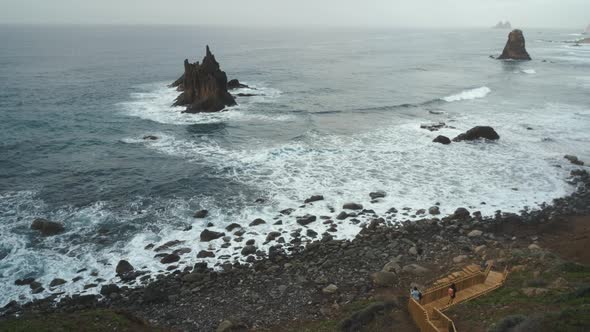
476, 133
46, 227
204, 86
515, 47
201, 214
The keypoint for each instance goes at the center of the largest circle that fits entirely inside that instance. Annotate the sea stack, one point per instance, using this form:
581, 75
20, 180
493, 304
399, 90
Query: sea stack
514, 48
587, 31
203, 86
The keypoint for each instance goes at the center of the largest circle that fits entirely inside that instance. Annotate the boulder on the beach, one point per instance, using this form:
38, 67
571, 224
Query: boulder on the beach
235, 84
476, 133
123, 267
257, 222
107, 290
306, 219
56, 282
169, 259
461, 213
208, 235
384, 279
248, 250
203, 86
205, 254
442, 140
434, 210
46, 227
515, 47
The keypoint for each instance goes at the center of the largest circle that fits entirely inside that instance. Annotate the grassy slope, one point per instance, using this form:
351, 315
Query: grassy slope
89, 320
565, 309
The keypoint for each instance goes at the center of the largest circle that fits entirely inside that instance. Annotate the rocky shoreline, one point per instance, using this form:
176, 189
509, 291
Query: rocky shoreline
309, 283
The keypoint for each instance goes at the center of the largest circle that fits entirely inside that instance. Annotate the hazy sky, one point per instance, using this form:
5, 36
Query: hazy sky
404, 13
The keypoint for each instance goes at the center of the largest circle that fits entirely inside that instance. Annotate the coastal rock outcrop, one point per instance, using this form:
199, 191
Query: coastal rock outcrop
515, 47
477, 133
204, 86
587, 31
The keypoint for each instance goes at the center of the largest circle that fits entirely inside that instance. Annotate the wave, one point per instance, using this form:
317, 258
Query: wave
480, 92
529, 71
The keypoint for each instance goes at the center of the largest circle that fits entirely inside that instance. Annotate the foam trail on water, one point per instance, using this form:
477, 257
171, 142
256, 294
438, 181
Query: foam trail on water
469, 94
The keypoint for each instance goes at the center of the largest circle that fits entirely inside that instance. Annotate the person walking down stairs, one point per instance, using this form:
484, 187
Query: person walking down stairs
452, 293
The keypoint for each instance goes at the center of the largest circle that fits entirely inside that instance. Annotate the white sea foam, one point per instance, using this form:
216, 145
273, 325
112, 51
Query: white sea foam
480, 92
528, 71
154, 103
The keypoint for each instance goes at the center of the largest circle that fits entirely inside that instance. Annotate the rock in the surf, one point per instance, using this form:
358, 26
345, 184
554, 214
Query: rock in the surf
352, 206
203, 86
257, 222
574, 160
46, 227
171, 258
208, 235
515, 47
123, 267
201, 214
235, 84
306, 219
442, 140
314, 198
477, 133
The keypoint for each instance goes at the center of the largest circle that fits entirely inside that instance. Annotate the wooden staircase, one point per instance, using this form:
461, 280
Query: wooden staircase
471, 282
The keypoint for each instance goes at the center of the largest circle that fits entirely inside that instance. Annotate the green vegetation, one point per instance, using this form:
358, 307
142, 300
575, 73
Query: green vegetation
562, 303
89, 321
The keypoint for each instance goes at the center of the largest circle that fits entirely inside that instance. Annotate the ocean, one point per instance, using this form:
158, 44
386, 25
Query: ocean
337, 112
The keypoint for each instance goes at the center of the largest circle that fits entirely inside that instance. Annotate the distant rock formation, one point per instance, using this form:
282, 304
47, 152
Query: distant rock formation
584, 41
503, 25
203, 86
587, 31
515, 48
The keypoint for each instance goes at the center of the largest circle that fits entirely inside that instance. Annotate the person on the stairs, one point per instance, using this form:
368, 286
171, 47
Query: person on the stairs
452, 293
416, 294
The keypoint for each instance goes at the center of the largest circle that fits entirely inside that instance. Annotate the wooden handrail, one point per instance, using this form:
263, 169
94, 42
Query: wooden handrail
450, 326
425, 314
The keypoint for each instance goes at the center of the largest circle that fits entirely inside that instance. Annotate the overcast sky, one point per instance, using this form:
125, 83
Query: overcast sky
395, 13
